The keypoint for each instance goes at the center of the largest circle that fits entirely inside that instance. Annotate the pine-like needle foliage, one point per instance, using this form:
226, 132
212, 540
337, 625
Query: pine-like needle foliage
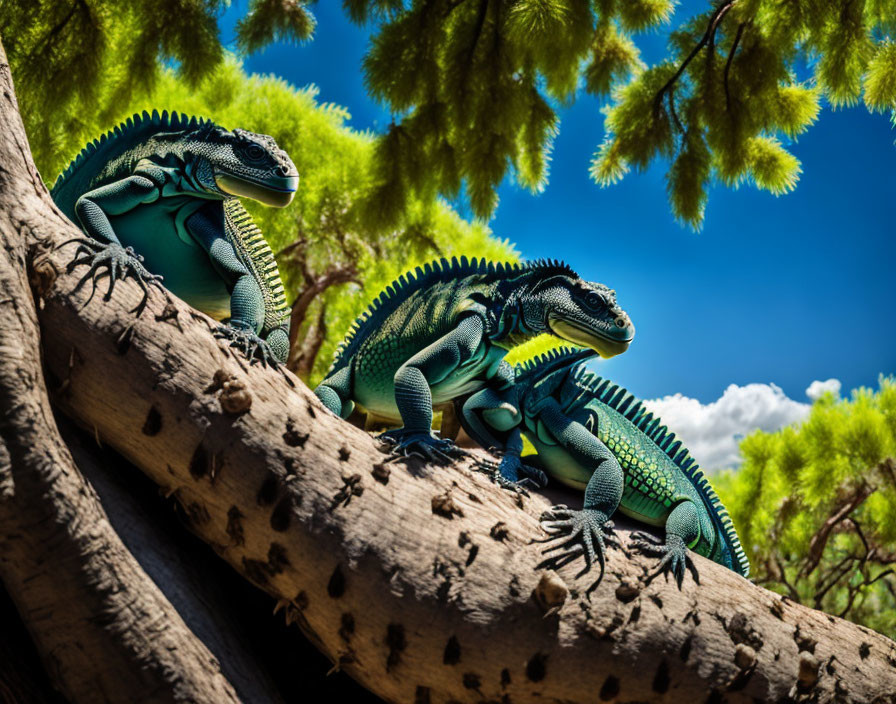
815, 506
71, 58
474, 85
731, 92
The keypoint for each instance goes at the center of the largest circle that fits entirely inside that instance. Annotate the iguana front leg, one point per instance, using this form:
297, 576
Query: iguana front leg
682, 533
104, 253
206, 226
586, 531
413, 395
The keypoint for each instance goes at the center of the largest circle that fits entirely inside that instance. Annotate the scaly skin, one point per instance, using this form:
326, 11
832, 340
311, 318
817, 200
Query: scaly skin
597, 437
442, 332
165, 187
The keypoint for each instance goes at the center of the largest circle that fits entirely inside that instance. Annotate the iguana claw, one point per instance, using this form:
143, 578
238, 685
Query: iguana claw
250, 344
426, 444
507, 473
675, 556
111, 260
587, 533
513, 470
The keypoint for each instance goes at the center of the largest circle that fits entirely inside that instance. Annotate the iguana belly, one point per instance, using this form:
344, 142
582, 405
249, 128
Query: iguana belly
156, 231
639, 500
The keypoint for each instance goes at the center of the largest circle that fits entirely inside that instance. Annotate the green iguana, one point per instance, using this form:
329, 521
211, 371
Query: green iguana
162, 190
593, 435
442, 331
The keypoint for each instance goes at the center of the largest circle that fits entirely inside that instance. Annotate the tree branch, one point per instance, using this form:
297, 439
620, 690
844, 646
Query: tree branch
734, 45
714, 21
419, 581
99, 622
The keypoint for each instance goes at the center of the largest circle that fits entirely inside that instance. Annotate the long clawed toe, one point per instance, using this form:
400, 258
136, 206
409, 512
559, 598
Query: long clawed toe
246, 341
423, 445
114, 262
674, 554
583, 533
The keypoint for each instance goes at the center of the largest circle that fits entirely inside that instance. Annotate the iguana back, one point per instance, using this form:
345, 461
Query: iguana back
650, 455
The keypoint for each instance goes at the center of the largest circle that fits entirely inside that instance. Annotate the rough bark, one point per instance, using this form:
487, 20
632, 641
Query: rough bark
104, 630
419, 581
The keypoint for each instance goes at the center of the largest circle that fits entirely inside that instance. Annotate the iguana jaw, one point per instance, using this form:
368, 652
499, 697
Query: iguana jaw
603, 343
276, 192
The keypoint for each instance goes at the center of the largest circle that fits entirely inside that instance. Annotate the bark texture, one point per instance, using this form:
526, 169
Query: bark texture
104, 630
419, 581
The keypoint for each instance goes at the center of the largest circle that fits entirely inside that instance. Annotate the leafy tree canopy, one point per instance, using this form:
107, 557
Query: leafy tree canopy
815, 506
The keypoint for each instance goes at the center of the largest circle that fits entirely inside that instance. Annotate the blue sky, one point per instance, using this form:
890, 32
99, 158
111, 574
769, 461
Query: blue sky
779, 291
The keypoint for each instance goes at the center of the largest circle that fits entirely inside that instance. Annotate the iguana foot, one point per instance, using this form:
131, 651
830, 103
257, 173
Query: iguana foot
507, 474
111, 260
587, 533
675, 555
249, 344
426, 444
513, 470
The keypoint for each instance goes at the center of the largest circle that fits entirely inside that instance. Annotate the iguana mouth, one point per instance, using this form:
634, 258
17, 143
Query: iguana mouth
603, 343
276, 192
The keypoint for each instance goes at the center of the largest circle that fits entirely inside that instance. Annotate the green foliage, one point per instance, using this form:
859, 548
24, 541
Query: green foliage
475, 84
273, 20
732, 90
838, 467
76, 63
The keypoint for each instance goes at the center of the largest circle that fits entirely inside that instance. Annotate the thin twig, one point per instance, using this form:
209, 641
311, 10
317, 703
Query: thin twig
737, 37
714, 22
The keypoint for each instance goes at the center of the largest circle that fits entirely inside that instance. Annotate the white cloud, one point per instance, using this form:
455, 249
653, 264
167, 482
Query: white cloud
817, 389
712, 431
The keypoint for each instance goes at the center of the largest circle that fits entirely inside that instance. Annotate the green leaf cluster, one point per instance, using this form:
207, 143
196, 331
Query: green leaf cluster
742, 79
475, 84
837, 467
76, 63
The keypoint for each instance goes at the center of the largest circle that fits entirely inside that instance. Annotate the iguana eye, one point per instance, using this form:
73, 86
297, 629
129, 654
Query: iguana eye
254, 152
594, 300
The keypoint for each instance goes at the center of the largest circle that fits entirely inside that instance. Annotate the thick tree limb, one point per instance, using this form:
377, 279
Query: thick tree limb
105, 632
418, 581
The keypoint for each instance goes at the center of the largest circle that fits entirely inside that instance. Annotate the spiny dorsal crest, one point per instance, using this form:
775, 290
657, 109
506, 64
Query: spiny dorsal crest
551, 360
433, 272
136, 128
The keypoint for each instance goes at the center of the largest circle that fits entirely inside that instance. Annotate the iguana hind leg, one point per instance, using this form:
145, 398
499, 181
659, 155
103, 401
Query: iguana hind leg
586, 532
335, 392
682, 532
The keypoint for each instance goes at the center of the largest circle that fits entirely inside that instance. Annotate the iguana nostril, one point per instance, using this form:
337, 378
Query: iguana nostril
621, 322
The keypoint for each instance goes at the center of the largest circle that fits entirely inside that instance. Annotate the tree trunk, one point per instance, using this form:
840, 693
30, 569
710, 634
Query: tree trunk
419, 581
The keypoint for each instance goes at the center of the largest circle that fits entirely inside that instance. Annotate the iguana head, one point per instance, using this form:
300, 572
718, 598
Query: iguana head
579, 311
245, 164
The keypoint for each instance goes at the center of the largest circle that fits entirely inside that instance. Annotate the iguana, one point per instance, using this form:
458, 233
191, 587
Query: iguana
594, 435
165, 186
443, 330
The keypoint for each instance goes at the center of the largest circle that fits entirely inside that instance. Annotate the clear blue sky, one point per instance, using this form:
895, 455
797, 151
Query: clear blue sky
777, 290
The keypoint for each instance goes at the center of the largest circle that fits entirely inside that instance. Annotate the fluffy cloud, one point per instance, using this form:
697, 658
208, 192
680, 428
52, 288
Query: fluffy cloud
711, 431
817, 389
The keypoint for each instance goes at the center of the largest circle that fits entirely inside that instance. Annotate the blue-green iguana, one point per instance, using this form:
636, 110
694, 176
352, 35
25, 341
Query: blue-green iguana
591, 434
159, 194
442, 331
